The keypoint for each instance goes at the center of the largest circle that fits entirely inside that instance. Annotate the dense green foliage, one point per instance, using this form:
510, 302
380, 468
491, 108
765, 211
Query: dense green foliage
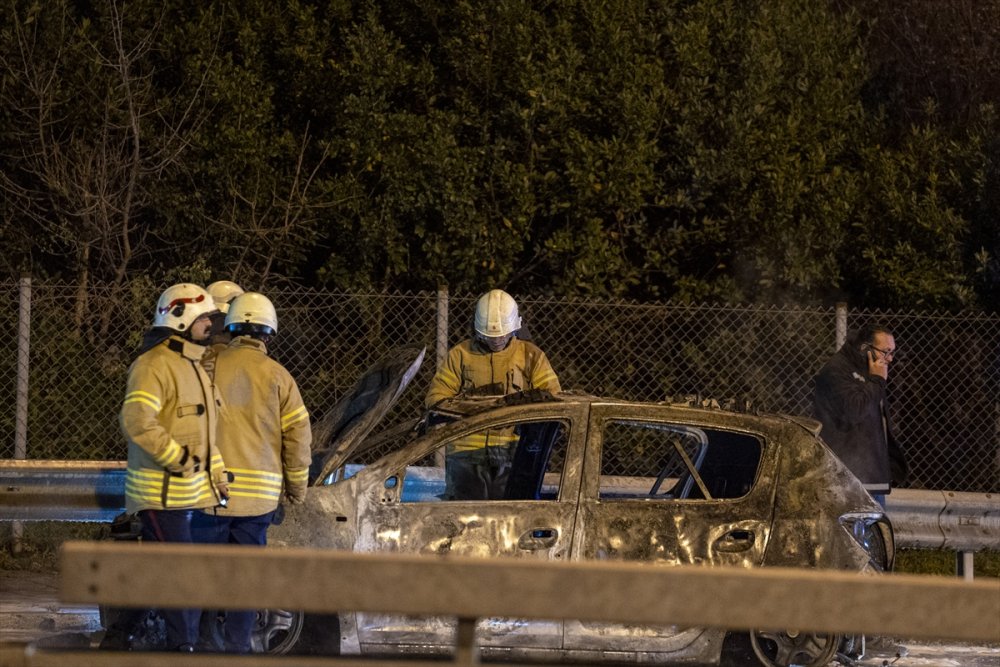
768, 151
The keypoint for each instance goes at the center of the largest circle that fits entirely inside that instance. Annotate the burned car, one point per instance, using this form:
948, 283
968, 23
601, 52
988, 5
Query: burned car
590, 479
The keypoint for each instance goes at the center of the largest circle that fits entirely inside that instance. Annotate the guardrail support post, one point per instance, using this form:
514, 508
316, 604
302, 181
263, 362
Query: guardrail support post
965, 564
466, 650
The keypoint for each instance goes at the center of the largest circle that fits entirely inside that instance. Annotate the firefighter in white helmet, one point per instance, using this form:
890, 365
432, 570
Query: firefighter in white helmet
493, 362
264, 436
223, 292
169, 419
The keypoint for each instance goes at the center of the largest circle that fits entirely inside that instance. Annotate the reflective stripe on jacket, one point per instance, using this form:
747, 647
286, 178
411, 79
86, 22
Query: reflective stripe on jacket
169, 405
473, 370
264, 431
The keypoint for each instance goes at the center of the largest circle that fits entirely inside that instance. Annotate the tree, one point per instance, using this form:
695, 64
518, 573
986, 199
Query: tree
255, 186
86, 138
697, 150
765, 116
935, 84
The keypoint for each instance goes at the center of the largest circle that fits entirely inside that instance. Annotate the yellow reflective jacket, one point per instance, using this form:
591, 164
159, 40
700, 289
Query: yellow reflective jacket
473, 370
216, 343
264, 431
169, 419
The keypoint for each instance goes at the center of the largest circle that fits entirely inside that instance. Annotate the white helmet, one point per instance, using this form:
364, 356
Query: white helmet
180, 305
496, 314
223, 292
252, 312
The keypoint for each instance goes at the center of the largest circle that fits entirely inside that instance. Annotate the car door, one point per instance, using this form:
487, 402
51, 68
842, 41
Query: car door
533, 519
663, 489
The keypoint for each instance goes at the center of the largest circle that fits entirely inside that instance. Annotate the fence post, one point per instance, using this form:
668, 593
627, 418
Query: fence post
441, 340
441, 346
21, 407
841, 325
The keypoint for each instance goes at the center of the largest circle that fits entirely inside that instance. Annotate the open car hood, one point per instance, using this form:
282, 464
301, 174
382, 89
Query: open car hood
340, 432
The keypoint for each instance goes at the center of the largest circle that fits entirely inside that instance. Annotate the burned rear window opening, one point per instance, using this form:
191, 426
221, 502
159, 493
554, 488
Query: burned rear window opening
661, 461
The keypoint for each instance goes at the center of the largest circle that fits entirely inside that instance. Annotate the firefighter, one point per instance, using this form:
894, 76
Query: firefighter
492, 362
169, 419
223, 292
264, 436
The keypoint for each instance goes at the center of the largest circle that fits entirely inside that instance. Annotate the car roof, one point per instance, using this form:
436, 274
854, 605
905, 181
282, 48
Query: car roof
343, 430
702, 409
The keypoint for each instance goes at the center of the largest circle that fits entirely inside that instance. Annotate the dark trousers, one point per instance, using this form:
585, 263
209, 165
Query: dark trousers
477, 474
181, 624
172, 526
210, 528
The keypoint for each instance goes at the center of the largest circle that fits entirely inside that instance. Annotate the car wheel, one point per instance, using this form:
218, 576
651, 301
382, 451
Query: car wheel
782, 649
276, 631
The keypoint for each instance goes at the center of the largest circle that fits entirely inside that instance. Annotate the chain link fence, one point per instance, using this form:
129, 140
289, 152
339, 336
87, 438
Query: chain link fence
945, 383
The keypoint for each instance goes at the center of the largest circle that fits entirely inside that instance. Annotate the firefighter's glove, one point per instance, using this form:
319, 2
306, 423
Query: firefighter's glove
295, 496
187, 465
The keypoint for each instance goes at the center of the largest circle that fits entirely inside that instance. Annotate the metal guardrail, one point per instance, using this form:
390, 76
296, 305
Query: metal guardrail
32, 490
945, 519
95, 491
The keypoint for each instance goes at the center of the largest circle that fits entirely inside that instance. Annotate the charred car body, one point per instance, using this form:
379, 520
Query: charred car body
590, 479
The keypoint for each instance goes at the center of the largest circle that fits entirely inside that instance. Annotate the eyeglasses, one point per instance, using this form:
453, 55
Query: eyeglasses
888, 354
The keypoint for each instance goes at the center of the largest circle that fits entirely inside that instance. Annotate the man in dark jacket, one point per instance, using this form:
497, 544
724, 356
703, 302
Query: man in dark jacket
850, 400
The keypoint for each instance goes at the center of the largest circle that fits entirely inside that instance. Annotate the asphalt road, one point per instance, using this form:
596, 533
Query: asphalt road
30, 612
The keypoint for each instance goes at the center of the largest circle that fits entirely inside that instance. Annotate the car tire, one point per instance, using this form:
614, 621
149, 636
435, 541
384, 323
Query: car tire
320, 635
276, 632
785, 648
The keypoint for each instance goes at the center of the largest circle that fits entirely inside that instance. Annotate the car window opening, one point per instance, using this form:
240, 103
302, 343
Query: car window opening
647, 460
517, 461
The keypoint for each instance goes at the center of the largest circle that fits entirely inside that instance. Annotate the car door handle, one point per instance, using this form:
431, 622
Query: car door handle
538, 538
734, 541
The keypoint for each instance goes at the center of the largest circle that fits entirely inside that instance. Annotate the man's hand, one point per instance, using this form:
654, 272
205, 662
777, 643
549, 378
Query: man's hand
878, 365
222, 484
